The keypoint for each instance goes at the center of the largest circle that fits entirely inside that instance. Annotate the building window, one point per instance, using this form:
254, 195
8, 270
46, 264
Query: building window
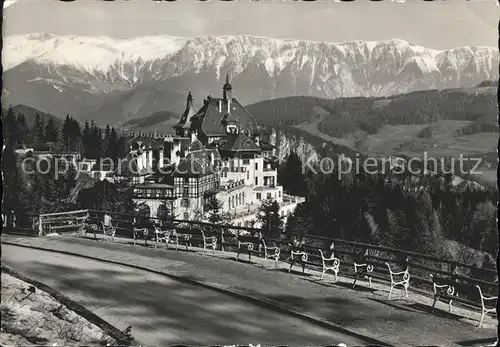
186, 216
248, 175
256, 181
185, 203
246, 161
256, 166
185, 191
259, 196
279, 193
269, 196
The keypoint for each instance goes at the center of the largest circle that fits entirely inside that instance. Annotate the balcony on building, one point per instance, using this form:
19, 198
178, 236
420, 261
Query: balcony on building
156, 191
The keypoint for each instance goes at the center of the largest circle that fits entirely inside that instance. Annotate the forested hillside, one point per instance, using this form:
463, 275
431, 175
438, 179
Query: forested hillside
29, 114
420, 213
27, 127
341, 117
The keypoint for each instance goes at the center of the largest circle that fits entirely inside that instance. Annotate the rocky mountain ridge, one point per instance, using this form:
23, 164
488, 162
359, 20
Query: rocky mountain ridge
115, 80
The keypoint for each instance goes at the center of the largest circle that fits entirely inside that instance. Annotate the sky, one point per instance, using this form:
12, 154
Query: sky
438, 24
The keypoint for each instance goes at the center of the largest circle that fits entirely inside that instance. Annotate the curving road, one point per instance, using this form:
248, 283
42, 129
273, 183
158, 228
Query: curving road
162, 311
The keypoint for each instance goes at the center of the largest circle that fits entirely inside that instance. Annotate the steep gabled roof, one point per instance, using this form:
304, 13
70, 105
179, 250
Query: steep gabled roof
196, 145
239, 143
211, 119
198, 163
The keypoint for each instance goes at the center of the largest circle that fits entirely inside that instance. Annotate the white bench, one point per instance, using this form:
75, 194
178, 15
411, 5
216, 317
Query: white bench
449, 289
188, 235
401, 278
164, 236
109, 230
363, 270
139, 231
485, 310
209, 241
247, 243
302, 257
303, 252
334, 266
273, 254
89, 227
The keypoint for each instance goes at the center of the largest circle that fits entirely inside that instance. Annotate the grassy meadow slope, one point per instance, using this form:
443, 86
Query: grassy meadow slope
158, 121
443, 123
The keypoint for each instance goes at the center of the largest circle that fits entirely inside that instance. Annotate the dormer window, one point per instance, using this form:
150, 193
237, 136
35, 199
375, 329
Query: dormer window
231, 129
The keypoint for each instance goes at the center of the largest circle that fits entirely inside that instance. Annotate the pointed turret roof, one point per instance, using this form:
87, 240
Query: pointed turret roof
227, 85
189, 112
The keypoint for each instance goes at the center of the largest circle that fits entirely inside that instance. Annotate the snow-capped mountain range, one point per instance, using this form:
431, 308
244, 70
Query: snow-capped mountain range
113, 80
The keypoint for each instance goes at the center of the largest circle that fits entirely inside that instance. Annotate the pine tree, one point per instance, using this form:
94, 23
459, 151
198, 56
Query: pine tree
34, 194
269, 217
11, 129
121, 148
87, 140
105, 140
66, 133
51, 132
75, 138
39, 132
291, 176
95, 143
99, 146
107, 196
215, 214
23, 130
15, 188
300, 221
111, 149
58, 187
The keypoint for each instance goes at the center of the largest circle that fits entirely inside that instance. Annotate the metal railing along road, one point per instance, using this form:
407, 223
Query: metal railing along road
421, 265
